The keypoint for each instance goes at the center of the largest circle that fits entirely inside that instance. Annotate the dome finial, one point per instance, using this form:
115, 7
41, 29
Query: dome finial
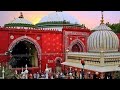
21, 15
102, 18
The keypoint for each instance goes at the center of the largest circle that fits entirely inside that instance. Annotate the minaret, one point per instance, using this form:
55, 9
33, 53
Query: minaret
102, 18
21, 15
46, 71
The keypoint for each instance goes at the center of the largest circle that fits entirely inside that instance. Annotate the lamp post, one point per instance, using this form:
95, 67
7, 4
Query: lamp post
22, 74
46, 71
26, 72
22, 71
82, 71
3, 73
88, 75
75, 73
16, 72
70, 72
66, 57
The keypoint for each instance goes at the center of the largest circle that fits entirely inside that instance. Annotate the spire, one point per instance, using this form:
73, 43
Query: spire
102, 18
21, 15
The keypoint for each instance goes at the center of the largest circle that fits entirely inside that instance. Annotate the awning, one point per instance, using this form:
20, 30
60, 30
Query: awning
93, 68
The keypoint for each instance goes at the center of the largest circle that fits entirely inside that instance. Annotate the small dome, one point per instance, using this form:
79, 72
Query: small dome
19, 22
103, 39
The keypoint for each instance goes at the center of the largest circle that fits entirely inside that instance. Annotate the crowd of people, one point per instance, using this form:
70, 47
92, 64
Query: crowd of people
64, 75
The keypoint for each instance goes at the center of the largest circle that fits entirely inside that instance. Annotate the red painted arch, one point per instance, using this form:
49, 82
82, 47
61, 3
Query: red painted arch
29, 39
75, 42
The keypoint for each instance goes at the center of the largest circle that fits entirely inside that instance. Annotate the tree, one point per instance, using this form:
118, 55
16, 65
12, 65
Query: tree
117, 75
115, 27
9, 73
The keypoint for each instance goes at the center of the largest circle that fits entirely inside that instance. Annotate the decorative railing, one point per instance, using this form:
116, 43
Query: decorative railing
30, 28
95, 58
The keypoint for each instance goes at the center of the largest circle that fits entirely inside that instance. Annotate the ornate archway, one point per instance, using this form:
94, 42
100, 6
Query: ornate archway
77, 46
31, 40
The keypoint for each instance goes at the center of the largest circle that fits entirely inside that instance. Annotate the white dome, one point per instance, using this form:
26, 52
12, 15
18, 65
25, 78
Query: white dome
104, 39
59, 16
20, 21
102, 27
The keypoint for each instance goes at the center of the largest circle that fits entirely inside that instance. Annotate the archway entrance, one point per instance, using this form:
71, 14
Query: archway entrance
58, 65
24, 52
77, 47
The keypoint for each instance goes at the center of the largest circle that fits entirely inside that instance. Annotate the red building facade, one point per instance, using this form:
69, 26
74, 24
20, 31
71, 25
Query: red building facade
37, 47
51, 45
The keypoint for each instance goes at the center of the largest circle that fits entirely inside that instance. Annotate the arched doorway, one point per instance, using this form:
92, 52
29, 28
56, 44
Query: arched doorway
24, 53
76, 46
25, 50
58, 67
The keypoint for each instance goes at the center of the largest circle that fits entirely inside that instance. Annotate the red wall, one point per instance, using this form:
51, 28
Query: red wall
51, 42
51, 48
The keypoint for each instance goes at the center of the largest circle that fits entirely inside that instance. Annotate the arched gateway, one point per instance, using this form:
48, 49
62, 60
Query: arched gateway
77, 46
25, 50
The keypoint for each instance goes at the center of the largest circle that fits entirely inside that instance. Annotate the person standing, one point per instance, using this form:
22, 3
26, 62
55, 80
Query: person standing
37, 75
34, 76
30, 76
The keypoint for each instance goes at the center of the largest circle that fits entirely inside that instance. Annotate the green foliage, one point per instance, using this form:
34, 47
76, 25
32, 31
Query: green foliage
19, 25
9, 74
117, 75
56, 23
13, 61
115, 27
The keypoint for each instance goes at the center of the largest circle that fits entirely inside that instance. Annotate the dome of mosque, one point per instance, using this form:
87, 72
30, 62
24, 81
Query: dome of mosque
103, 38
58, 19
19, 22
59, 16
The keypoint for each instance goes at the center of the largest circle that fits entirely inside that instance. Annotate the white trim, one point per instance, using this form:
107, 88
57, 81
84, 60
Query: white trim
93, 68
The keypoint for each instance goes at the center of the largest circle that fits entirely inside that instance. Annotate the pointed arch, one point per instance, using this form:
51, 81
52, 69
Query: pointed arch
29, 39
78, 43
